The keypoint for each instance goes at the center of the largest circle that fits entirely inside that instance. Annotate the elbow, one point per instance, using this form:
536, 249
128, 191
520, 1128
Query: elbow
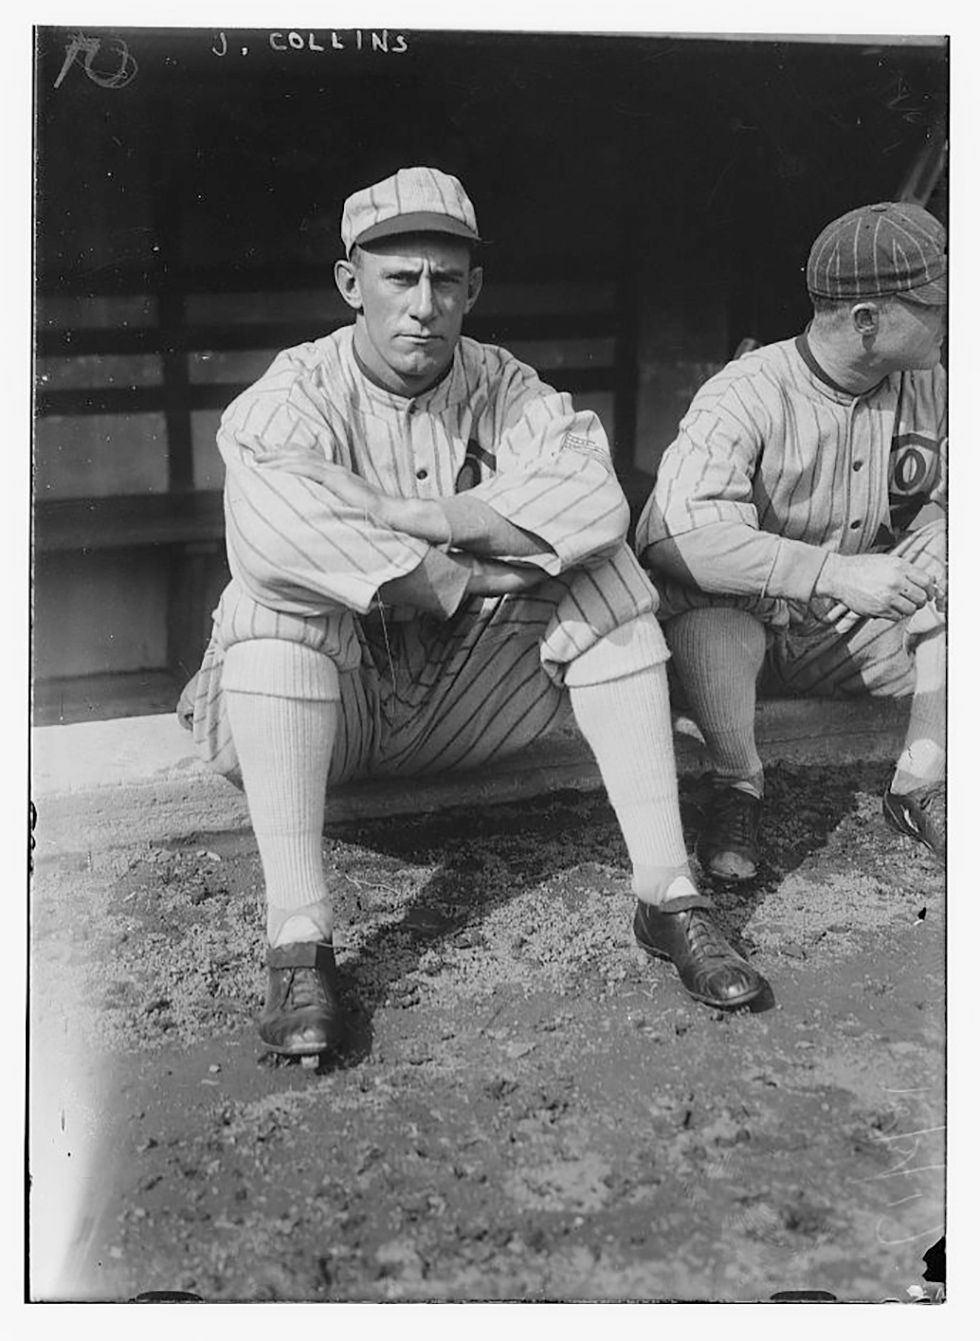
621, 517
664, 556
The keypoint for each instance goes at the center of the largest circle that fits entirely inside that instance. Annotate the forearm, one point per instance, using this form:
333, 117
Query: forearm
468, 524
296, 549
442, 581
437, 585
734, 559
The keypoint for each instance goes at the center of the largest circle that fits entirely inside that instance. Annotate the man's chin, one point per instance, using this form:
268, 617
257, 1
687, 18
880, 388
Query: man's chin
425, 363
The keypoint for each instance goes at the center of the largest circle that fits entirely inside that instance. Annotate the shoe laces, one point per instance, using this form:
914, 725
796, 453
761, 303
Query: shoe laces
304, 989
736, 814
704, 936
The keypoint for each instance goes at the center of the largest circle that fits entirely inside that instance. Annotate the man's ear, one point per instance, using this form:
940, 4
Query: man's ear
474, 285
348, 281
864, 317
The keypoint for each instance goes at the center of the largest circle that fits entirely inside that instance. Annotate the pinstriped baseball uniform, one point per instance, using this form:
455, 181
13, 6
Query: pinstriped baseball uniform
418, 693
774, 466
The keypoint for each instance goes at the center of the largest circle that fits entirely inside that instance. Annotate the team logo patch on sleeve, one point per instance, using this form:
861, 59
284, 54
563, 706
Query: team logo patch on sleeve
586, 446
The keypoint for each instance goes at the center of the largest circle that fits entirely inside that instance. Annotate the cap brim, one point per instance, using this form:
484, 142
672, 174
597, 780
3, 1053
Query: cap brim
933, 294
420, 222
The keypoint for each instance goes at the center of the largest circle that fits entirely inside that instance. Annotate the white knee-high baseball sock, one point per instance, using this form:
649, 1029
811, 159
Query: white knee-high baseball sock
284, 741
627, 725
718, 654
923, 757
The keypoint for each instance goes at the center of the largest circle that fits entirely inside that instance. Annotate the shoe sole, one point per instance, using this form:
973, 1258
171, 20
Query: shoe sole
281, 1051
731, 1004
300, 1049
729, 879
725, 878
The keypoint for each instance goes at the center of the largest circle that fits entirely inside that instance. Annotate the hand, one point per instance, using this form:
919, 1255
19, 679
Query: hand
489, 577
884, 586
345, 485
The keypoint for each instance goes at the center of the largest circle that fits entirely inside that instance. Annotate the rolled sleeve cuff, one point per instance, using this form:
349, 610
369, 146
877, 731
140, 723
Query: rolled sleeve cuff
437, 585
578, 516
795, 570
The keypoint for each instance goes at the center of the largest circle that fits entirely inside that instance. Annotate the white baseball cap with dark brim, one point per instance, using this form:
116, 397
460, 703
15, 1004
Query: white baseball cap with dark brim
414, 200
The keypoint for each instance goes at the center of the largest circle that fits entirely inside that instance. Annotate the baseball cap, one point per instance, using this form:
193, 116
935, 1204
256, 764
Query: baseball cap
414, 200
877, 250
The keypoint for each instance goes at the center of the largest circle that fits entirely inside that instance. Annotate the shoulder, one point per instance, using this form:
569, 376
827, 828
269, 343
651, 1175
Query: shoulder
925, 389
327, 354
928, 381
295, 377
498, 370
744, 384
492, 361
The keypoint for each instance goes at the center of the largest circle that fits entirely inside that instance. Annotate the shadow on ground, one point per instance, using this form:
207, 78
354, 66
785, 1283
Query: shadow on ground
531, 1108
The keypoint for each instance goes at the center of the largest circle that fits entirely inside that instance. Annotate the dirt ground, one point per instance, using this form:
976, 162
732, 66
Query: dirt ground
530, 1109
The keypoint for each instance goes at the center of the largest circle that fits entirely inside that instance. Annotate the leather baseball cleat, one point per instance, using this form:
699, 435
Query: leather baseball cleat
728, 846
920, 815
683, 931
302, 1015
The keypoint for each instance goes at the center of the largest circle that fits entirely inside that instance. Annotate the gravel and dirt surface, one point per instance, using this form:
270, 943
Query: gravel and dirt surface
530, 1109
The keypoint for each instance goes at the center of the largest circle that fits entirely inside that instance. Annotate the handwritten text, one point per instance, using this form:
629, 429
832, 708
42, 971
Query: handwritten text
355, 39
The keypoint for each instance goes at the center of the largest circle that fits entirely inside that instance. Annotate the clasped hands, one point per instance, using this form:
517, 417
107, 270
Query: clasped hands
883, 586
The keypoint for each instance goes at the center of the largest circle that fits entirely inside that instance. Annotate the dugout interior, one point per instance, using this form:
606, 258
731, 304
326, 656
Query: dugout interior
648, 201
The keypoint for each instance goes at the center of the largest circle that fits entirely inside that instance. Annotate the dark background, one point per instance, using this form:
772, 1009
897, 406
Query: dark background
726, 155
687, 175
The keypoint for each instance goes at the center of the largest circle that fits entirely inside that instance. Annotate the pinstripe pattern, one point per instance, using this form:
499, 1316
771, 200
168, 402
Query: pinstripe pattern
788, 462
853, 655
427, 695
777, 460
410, 191
874, 250
418, 694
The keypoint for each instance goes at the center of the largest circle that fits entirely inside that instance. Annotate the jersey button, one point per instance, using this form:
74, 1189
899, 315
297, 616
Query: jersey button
855, 525
857, 465
422, 474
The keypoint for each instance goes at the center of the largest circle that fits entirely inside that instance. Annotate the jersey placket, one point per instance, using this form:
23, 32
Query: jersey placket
858, 494
421, 468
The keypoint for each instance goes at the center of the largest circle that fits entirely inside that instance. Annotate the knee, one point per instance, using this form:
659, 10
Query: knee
632, 647
280, 669
926, 545
717, 633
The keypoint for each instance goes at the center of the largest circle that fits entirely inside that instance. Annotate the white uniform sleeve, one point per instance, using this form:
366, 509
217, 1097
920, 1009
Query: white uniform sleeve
292, 544
702, 505
555, 477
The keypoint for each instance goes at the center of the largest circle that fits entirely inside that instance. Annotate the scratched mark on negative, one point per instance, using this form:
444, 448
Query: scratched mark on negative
118, 71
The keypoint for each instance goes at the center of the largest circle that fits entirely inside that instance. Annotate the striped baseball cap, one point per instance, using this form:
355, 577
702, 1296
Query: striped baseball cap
414, 200
878, 250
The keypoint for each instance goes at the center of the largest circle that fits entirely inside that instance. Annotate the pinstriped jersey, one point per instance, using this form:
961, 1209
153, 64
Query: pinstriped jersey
489, 425
784, 466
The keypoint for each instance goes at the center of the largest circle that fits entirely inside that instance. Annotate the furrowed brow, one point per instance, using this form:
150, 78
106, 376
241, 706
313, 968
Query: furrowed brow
401, 272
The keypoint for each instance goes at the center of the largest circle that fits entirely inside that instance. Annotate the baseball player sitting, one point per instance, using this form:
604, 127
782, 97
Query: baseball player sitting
428, 567
779, 531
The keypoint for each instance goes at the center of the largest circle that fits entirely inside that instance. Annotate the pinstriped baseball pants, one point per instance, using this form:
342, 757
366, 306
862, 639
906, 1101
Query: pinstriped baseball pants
426, 695
824, 652
853, 655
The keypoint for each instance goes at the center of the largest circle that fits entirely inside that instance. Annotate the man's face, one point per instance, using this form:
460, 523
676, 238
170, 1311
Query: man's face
911, 335
412, 293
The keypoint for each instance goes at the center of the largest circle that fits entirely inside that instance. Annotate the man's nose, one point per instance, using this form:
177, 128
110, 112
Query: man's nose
423, 303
